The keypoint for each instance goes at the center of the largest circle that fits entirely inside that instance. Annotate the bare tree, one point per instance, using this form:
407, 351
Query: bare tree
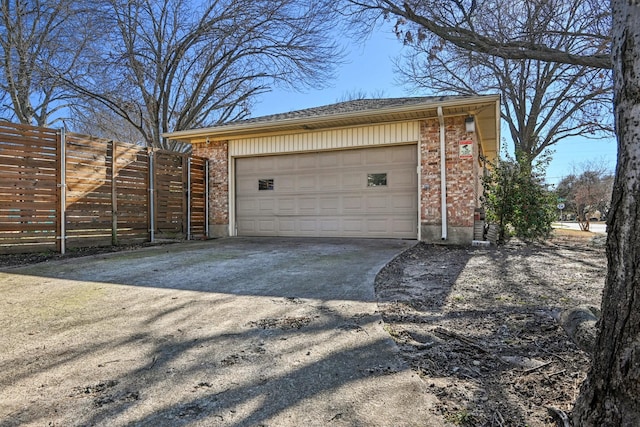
94, 118
178, 64
358, 94
542, 102
587, 191
37, 37
610, 394
459, 22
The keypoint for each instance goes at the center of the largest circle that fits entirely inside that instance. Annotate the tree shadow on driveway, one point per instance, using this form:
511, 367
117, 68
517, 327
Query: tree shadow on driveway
275, 334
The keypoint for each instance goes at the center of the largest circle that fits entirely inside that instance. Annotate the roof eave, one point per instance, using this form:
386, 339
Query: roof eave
260, 127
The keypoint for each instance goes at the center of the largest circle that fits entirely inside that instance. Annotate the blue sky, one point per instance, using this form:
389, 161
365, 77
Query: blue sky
369, 69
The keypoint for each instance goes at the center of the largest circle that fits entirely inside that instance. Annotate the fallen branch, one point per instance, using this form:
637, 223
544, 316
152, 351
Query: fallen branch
153, 362
498, 418
535, 368
560, 415
461, 338
467, 341
549, 352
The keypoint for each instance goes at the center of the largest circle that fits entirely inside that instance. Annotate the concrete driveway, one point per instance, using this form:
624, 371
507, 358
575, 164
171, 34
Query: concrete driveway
232, 332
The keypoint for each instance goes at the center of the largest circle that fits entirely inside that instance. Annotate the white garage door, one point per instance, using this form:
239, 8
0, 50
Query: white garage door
368, 192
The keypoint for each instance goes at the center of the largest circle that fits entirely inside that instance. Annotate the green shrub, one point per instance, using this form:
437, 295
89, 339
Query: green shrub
516, 198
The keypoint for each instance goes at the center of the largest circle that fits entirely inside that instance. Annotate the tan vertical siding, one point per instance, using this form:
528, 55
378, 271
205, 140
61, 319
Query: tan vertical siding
394, 133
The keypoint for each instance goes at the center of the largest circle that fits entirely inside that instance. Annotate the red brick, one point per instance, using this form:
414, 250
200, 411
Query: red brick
218, 154
461, 174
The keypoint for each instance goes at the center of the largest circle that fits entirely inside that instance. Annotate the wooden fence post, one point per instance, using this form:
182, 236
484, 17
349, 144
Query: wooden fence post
152, 199
61, 214
114, 194
186, 191
188, 160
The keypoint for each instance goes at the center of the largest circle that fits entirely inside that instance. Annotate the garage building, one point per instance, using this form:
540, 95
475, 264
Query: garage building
379, 168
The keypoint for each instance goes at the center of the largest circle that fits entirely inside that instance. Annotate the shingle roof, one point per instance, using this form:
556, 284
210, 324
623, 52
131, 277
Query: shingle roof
359, 105
359, 112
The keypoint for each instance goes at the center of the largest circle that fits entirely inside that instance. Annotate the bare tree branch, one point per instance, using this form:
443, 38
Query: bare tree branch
543, 102
37, 37
456, 22
187, 64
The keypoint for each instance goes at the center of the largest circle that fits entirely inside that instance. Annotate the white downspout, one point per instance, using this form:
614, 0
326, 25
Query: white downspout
231, 188
443, 174
206, 199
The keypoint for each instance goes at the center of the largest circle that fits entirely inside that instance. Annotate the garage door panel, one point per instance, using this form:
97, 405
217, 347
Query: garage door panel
327, 194
352, 203
329, 205
403, 226
329, 182
247, 206
285, 163
329, 225
308, 225
267, 225
401, 178
284, 184
286, 206
379, 202
287, 226
266, 206
330, 160
352, 158
244, 167
263, 163
306, 161
306, 206
378, 225
404, 154
353, 225
404, 201
377, 157
305, 183
353, 180
246, 185
248, 226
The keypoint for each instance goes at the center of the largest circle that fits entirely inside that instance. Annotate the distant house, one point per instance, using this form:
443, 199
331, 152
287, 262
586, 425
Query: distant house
365, 168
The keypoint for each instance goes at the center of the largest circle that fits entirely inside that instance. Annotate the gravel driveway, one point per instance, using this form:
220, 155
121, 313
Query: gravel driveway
231, 332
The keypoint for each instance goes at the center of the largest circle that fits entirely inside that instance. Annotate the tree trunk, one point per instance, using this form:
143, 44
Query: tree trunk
610, 396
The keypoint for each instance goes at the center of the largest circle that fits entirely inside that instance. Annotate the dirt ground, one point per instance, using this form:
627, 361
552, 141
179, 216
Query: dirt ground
478, 325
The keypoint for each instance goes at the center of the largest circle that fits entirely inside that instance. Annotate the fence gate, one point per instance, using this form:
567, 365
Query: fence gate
171, 192
199, 192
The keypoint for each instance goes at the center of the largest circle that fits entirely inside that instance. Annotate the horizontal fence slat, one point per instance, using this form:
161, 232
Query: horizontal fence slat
30, 162
43, 204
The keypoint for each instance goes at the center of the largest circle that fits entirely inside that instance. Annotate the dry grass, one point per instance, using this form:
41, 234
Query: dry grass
564, 232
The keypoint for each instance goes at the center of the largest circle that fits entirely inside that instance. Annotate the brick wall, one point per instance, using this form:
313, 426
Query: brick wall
218, 154
461, 176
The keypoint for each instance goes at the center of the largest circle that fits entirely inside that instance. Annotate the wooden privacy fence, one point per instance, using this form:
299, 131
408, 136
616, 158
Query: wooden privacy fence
62, 190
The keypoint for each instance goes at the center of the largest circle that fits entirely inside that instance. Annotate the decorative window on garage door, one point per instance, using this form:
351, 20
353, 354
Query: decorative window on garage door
377, 180
265, 184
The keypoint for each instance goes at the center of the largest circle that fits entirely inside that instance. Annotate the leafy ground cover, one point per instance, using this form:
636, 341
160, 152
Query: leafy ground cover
478, 325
